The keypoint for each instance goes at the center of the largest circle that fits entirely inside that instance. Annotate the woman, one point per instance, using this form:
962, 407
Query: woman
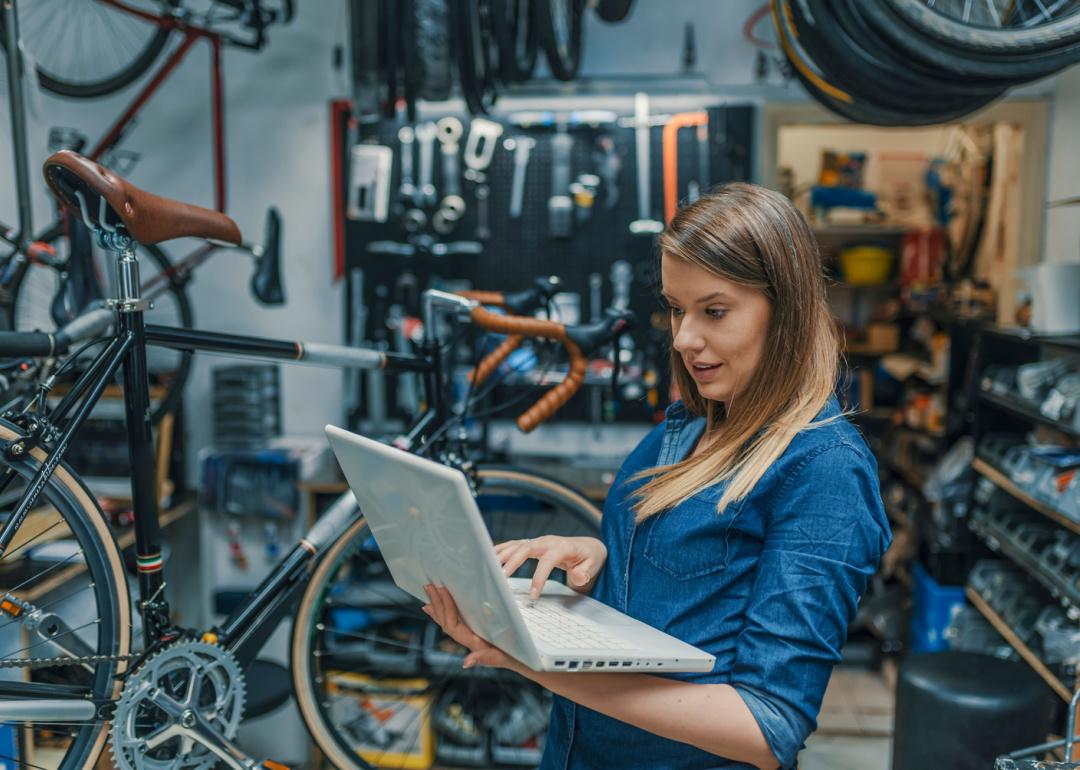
747, 523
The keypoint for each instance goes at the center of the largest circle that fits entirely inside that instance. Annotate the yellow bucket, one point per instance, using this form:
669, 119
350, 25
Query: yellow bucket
864, 265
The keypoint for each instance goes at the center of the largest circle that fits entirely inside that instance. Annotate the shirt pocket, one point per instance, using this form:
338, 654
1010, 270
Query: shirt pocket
690, 540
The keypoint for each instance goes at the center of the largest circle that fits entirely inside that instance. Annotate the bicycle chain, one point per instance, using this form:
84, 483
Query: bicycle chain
47, 662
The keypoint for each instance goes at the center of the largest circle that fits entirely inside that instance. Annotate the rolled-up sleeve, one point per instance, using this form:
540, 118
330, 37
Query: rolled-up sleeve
825, 535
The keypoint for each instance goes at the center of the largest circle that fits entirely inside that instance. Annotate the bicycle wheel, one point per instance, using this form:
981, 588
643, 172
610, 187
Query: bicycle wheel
64, 564
87, 48
354, 628
45, 298
995, 26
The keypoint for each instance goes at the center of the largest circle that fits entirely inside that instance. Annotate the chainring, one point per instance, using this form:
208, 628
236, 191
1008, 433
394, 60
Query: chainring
149, 730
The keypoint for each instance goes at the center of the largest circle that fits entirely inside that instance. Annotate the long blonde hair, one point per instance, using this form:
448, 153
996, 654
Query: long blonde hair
754, 237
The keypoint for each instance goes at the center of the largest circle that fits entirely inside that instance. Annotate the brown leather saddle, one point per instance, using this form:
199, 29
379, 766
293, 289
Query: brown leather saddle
146, 217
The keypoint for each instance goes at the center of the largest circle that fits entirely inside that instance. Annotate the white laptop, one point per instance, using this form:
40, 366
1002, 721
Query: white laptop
429, 530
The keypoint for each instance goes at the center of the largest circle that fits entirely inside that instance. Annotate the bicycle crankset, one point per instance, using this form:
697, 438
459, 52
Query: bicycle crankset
180, 710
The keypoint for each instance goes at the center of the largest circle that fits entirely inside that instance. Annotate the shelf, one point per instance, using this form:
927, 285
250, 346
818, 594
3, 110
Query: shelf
1021, 408
1063, 692
1018, 334
859, 231
1000, 542
1002, 481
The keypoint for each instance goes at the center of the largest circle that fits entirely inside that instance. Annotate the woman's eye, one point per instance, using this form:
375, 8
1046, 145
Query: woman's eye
716, 312
675, 312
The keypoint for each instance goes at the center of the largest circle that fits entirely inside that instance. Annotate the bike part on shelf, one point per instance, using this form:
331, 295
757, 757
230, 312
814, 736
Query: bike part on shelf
330, 636
425, 137
407, 191
515, 33
109, 200
83, 579
559, 206
180, 710
266, 281
560, 26
644, 224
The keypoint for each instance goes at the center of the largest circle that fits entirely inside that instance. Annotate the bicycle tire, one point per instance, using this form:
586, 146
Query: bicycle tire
1063, 30
433, 56
32, 290
843, 43
74, 506
561, 32
1020, 67
614, 11
306, 656
472, 41
78, 79
856, 107
516, 37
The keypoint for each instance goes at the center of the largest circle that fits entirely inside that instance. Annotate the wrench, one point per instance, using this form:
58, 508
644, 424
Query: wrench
483, 231
560, 206
425, 135
450, 131
407, 191
521, 146
644, 224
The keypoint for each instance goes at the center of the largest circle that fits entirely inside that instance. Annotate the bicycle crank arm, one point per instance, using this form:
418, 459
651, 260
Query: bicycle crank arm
190, 726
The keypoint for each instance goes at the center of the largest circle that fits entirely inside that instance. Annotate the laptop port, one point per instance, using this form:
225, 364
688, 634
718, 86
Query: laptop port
613, 664
600, 664
560, 663
627, 663
586, 664
573, 665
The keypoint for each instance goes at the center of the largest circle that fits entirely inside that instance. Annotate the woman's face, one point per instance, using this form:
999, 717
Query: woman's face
718, 327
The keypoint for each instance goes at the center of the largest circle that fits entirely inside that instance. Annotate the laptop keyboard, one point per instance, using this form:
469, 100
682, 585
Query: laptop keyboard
554, 624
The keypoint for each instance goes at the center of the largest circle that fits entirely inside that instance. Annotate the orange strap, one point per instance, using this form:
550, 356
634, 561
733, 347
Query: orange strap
671, 157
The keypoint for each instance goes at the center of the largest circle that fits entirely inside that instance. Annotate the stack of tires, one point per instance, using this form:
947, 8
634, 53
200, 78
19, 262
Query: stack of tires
920, 62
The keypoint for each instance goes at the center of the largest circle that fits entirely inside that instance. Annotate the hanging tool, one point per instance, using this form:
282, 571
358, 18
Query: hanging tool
480, 146
583, 191
483, 231
407, 191
369, 182
425, 136
698, 120
596, 310
644, 224
521, 146
560, 206
449, 132
609, 164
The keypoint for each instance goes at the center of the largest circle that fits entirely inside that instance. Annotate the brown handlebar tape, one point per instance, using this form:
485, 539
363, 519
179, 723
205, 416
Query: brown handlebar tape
553, 400
492, 360
495, 298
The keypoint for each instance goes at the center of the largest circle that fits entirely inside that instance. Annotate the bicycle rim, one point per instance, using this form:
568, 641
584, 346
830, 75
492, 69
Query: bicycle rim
560, 28
87, 48
39, 301
76, 576
344, 662
995, 26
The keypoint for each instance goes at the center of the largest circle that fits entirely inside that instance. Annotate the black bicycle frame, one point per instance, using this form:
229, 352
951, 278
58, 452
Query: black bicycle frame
252, 622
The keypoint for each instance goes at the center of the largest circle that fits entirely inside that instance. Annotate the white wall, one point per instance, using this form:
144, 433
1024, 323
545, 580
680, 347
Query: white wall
1062, 242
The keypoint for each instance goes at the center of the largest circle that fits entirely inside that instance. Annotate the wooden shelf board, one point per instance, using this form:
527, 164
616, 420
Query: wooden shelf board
1026, 652
1028, 411
1002, 481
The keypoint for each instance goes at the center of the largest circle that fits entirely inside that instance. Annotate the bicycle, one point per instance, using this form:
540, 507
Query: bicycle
177, 703
51, 276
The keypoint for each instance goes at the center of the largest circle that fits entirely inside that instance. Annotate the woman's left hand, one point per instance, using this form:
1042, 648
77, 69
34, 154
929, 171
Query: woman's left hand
444, 612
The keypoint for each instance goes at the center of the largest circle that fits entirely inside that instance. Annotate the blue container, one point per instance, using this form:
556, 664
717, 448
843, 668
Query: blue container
933, 609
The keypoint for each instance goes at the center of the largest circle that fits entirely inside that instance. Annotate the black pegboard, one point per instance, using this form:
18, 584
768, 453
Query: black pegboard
521, 249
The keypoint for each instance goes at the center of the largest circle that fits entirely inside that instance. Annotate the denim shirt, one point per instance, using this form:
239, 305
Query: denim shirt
768, 587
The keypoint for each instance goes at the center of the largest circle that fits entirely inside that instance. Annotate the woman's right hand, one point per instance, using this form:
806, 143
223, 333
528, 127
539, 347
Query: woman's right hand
581, 557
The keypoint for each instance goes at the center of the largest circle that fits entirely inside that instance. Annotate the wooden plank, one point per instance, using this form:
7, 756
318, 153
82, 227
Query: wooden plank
1025, 652
1004, 482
